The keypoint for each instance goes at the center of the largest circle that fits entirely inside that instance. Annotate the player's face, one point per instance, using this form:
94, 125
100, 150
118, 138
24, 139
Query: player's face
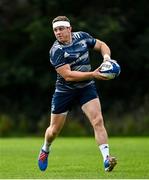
63, 34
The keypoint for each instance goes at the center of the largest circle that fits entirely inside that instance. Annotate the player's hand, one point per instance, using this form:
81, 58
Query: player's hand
98, 75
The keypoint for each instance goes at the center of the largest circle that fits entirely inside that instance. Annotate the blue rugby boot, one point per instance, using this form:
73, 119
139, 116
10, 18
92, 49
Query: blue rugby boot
110, 163
43, 160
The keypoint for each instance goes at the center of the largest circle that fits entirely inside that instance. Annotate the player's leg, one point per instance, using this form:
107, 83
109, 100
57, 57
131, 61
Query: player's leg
57, 122
59, 108
92, 109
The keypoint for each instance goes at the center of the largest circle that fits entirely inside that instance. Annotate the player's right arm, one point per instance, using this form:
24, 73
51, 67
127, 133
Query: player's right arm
63, 68
68, 75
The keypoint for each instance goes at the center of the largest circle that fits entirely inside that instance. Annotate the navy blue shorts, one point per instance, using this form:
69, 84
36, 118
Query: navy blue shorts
63, 101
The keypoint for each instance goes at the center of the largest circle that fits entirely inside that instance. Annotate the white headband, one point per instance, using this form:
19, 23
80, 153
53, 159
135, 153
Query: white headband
61, 23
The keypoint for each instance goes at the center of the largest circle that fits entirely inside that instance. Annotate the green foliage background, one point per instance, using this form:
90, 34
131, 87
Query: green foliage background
27, 78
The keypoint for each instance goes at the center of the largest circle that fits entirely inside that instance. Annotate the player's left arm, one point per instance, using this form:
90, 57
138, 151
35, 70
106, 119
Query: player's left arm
103, 48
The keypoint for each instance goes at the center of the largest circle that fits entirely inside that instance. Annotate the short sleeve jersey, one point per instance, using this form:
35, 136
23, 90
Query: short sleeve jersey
76, 54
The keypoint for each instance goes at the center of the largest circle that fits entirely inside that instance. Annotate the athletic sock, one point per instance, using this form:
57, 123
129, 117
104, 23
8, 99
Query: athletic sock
104, 148
46, 147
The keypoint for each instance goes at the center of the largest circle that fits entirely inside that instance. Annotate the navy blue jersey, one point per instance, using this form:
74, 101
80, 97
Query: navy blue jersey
76, 54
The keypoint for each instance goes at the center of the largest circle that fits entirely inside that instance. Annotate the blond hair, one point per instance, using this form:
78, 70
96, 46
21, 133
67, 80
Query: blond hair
60, 18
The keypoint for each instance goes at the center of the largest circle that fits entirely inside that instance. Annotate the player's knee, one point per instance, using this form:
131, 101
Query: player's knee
97, 122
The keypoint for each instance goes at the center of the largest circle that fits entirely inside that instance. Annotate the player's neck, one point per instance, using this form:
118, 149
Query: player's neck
68, 40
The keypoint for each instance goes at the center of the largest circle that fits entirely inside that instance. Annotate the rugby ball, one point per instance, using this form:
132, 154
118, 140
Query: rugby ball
110, 69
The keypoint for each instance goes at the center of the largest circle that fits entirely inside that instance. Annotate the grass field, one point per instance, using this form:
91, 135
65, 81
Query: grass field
73, 158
